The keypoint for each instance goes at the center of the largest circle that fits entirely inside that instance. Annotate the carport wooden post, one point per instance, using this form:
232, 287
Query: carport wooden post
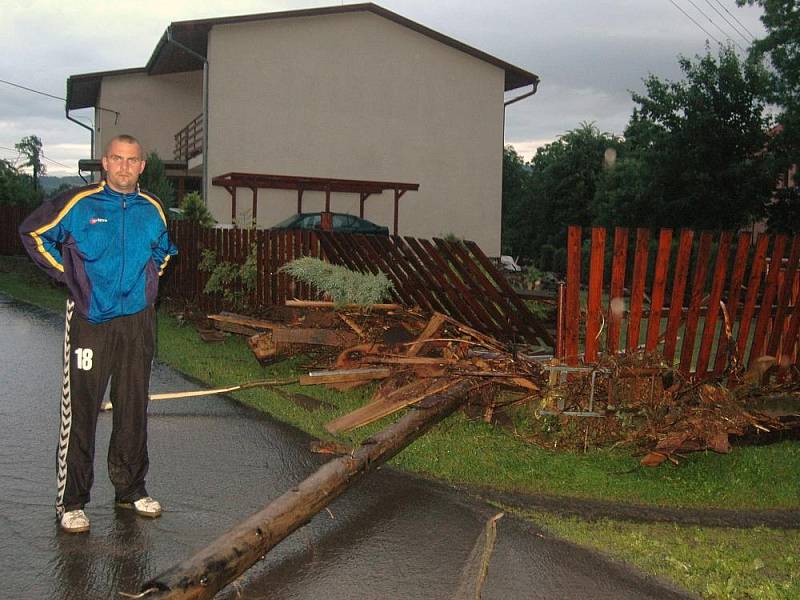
232, 192
363, 197
255, 204
398, 193
230, 555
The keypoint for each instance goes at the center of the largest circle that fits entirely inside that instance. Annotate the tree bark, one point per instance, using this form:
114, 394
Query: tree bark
230, 555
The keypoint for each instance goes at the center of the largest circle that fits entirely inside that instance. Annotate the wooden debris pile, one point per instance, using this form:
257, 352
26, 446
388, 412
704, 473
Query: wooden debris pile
444, 353
413, 358
696, 417
645, 404
633, 399
302, 326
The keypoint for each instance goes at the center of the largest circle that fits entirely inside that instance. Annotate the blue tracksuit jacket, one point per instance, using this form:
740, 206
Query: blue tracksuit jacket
108, 248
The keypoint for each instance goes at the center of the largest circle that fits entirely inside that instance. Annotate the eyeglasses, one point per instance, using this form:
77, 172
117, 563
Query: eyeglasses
131, 161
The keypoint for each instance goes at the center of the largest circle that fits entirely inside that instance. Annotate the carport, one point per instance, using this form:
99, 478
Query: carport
364, 188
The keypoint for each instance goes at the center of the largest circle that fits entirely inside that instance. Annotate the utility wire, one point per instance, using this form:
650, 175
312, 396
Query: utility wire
710, 20
10, 150
27, 89
55, 161
688, 16
40, 154
731, 25
725, 8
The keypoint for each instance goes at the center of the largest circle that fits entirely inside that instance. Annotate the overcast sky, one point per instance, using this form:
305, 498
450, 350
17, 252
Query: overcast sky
589, 54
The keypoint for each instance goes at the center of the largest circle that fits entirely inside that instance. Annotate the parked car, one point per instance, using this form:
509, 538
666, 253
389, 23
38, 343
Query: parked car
341, 223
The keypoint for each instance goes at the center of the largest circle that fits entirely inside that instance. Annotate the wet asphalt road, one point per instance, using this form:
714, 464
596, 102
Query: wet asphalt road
213, 463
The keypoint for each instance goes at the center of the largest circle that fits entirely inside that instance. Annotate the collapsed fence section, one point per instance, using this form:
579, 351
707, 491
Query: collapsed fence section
698, 300
452, 277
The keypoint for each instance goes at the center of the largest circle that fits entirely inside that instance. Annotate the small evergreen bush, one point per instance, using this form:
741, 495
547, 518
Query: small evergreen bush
194, 209
342, 285
154, 180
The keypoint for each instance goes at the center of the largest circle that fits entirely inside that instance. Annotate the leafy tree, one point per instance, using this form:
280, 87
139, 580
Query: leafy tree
622, 198
563, 182
697, 148
783, 214
516, 217
235, 282
31, 148
16, 188
194, 209
154, 180
781, 48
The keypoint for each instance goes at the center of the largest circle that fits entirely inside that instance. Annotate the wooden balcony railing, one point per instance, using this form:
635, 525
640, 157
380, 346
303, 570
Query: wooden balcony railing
189, 140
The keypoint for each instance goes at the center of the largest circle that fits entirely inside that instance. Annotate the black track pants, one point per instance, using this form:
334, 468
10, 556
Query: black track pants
120, 349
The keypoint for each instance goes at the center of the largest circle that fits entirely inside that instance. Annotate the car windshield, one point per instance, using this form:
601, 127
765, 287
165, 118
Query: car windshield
339, 222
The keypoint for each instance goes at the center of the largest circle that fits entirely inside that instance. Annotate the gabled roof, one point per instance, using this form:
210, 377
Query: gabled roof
83, 90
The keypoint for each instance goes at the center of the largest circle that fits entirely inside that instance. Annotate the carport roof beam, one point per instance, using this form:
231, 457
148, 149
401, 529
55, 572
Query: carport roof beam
363, 187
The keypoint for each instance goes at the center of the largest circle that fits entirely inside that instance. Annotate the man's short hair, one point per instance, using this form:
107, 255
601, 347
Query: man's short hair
128, 139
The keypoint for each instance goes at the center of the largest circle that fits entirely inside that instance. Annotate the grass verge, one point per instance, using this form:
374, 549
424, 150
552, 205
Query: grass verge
716, 563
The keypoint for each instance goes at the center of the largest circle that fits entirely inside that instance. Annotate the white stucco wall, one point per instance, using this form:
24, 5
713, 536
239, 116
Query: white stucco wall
151, 108
356, 96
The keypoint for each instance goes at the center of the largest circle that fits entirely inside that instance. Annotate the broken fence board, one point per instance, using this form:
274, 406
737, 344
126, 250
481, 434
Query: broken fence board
242, 320
393, 402
431, 329
407, 360
344, 375
314, 336
236, 328
326, 304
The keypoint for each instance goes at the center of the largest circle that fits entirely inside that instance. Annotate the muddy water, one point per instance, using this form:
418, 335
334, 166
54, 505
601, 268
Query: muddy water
214, 463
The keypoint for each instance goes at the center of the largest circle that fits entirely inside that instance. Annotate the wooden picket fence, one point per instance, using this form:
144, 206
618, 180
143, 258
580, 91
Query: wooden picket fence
452, 277
185, 281
756, 281
455, 278
10, 219
672, 302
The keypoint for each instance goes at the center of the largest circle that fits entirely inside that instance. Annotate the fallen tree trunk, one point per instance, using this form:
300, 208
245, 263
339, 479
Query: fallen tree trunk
230, 555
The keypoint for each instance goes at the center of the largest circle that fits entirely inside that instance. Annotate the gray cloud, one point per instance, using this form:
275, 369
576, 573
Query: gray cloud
588, 54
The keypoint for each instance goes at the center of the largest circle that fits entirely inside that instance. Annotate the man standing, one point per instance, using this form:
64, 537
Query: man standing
108, 244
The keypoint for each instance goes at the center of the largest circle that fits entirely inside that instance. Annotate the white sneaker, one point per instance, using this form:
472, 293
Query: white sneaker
144, 507
74, 521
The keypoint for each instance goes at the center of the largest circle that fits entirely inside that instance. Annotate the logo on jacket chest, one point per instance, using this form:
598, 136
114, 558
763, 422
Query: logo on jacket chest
96, 220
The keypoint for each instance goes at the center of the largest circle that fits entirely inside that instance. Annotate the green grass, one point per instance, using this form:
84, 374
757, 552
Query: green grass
20, 279
716, 563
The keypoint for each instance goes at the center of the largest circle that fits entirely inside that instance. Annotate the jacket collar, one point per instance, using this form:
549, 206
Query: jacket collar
107, 188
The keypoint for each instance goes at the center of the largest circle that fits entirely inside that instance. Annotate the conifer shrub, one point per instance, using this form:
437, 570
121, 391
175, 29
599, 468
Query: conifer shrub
342, 285
194, 209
